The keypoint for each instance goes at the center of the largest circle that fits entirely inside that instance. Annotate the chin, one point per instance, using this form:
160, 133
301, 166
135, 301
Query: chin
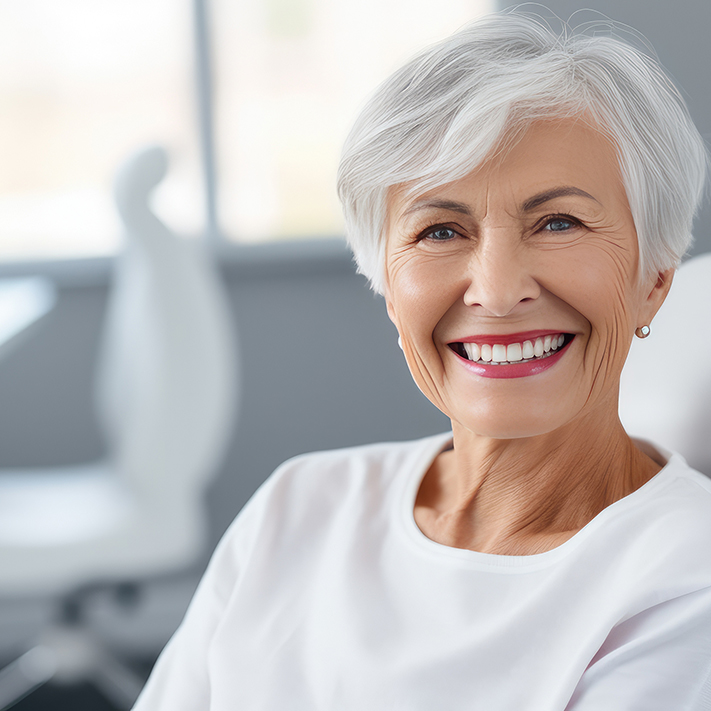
504, 425
509, 431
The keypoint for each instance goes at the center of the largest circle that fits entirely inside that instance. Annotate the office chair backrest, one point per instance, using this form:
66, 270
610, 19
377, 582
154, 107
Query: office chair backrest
665, 393
167, 373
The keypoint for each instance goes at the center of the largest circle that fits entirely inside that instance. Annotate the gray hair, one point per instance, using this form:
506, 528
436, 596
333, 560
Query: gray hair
448, 109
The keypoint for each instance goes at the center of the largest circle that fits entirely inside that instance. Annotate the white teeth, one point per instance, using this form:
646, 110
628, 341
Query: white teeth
472, 351
514, 352
498, 353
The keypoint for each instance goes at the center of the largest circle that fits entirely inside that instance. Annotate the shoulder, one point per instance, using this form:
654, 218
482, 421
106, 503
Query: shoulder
675, 504
682, 497
682, 512
350, 477
659, 537
354, 463
310, 491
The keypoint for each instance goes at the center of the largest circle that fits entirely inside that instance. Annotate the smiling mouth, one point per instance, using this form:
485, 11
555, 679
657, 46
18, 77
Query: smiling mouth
500, 354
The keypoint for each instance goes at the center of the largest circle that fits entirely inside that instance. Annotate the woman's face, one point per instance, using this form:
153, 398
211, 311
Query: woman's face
530, 250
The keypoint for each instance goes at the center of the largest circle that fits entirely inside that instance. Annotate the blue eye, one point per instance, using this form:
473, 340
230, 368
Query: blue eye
559, 224
441, 234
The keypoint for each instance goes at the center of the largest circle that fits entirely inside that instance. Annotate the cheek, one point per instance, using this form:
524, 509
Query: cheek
420, 296
420, 293
600, 287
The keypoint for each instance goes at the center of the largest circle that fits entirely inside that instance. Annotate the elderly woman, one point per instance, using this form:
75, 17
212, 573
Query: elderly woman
521, 200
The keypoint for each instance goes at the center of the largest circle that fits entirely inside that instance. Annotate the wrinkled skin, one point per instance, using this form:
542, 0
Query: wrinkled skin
535, 458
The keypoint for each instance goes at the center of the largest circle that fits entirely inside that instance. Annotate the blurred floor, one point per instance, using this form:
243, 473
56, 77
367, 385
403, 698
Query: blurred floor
80, 697
57, 698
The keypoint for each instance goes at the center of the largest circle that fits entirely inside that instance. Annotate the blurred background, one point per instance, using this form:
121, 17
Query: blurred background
251, 100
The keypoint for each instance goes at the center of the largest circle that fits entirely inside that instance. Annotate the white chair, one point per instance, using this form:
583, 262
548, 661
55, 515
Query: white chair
165, 398
24, 302
665, 392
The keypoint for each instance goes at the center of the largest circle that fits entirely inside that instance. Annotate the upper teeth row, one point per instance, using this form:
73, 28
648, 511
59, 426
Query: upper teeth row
514, 352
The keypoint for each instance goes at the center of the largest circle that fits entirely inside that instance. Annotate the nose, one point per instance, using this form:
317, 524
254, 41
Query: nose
499, 275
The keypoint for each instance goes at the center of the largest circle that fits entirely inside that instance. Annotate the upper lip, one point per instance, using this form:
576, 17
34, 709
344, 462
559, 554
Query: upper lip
505, 339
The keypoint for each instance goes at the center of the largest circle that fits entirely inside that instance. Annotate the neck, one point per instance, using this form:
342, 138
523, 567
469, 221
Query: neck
527, 495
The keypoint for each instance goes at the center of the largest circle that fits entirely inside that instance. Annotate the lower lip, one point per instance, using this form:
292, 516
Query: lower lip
515, 370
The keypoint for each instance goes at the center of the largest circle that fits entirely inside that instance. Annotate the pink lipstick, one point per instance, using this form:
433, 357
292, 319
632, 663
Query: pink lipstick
514, 355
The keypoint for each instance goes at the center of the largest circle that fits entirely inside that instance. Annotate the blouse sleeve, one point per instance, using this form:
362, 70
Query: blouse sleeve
180, 680
657, 660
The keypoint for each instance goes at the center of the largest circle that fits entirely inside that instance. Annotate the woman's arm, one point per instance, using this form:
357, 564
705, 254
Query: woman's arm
180, 679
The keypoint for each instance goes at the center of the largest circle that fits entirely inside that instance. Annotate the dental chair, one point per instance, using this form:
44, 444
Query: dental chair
665, 391
165, 394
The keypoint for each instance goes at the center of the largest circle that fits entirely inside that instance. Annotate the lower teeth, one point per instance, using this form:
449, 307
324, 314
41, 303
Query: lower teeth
525, 360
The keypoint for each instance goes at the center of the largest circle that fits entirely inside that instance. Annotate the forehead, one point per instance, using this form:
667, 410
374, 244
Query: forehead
547, 155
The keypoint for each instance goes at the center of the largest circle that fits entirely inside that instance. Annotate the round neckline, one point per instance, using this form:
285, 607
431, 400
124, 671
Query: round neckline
422, 461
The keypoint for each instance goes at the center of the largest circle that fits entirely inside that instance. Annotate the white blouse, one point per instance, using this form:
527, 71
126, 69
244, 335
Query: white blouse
325, 596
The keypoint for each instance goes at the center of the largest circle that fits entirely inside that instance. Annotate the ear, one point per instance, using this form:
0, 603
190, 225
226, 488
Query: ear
391, 309
388, 301
656, 295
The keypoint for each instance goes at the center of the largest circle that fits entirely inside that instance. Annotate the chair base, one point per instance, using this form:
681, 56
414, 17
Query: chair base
67, 654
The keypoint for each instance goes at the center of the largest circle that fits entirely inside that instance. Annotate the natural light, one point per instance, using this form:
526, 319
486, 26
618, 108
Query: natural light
83, 84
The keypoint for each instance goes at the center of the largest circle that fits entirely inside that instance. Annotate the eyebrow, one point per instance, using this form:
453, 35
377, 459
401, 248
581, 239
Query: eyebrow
451, 205
564, 191
531, 204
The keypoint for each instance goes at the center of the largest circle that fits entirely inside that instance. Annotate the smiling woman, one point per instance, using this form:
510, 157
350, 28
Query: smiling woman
527, 266
521, 198
541, 240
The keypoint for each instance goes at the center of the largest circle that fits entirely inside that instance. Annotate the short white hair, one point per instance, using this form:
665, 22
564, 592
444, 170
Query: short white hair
448, 109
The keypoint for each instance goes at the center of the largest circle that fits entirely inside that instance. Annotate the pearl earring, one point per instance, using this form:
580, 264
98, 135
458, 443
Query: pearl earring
399, 342
643, 331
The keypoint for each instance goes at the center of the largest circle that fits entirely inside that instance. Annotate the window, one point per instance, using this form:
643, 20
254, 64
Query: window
82, 85
290, 77
85, 83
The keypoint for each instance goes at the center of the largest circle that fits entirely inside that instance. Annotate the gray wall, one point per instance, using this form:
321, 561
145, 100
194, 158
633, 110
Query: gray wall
679, 32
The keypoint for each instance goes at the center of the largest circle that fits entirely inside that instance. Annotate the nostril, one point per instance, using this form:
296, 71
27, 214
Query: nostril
501, 296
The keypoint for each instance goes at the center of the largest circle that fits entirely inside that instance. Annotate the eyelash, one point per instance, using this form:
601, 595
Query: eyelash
559, 218
427, 233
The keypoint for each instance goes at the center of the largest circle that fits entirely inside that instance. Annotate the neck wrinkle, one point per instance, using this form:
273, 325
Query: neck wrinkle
528, 495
